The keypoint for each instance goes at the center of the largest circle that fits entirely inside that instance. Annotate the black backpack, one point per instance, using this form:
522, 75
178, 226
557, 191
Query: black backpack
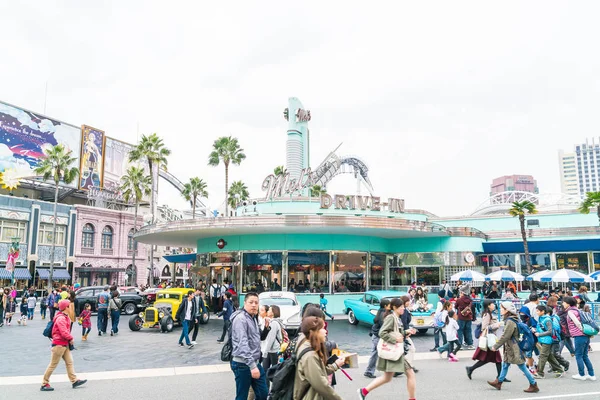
228, 346
282, 377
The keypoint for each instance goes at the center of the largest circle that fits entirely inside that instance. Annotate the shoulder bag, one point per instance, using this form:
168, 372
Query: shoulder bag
390, 351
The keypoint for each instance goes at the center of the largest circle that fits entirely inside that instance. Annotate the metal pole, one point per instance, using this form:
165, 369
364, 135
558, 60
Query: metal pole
53, 248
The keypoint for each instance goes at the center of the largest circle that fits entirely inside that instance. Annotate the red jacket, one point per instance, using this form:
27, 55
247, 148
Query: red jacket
462, 303
61, 330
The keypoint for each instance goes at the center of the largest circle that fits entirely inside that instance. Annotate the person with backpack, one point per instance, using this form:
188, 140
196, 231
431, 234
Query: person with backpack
582, 341
62, 342
516, 335
438, 322
215, 295
545, 333
114, 310
228, 309
310, 381
245, 351
489, 324
102, 308
464, 308
384, 307
526, 317
552, 304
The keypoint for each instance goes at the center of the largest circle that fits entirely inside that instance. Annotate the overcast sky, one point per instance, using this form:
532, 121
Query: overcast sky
436, 99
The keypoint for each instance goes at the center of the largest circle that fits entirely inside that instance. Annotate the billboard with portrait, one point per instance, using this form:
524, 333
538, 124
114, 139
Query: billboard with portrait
24, 135
116, 163
91, 170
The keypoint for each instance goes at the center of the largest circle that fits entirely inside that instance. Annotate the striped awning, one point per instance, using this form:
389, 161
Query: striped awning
59, 274
20, 273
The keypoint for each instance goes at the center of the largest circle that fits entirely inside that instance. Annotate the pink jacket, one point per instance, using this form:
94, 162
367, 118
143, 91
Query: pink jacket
575, 328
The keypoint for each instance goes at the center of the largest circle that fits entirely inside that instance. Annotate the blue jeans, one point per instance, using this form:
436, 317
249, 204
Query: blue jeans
43, 311
30, 312
523, 369
243, 381
115, 316
373, 359
437, 332
581, 355
465, 334
185, 332
102, 319
449, 347
85, 331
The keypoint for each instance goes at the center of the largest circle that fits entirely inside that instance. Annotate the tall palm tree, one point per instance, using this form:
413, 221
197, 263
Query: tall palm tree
592, 199
135, 184
227, 150
279, 170
519, 209
196, 187
317, 190
56, 165
239, 188
152, 150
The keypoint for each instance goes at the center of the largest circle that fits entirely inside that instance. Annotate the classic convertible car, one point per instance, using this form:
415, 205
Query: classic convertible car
365, 309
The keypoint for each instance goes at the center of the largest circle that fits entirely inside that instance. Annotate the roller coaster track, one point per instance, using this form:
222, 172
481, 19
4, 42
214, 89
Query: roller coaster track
334, 165
200, 207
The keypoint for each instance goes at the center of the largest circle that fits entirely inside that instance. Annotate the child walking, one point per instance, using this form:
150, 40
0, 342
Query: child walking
452, 346
31, 303
85, 319
11, 309
323, 306
23, 318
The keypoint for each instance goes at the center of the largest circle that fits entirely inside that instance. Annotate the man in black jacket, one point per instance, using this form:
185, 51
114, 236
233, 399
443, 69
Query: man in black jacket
187, 316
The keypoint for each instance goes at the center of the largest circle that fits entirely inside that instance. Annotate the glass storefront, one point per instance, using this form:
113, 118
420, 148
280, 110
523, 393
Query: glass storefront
308, 272
428, 276
596, 261
501, 262
575, 261
377, 271
260, 271
349, 272
222, 267
539, 262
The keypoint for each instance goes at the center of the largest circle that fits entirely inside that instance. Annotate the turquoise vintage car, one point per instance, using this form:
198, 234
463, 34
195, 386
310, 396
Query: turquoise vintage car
365, 309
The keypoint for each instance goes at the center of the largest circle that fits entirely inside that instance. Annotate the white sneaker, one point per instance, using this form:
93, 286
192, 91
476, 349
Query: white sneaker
194, 342
579, 377
590, 378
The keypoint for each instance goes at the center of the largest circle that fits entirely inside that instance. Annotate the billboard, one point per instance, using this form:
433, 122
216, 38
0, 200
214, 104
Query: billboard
24, 135
116, 163
91, 169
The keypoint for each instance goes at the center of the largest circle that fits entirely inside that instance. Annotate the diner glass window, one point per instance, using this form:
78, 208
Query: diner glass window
87, 236
107, 237
596, 261
131, 244
349, 272
502, 261
12, 229
222, 267
308, 272
575, 261
260, 271
400, 276
428, 276
539, 262
377, 271
45, 234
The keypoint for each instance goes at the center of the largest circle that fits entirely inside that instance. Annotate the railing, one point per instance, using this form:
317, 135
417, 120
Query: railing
87, 250
106, 252
545, 232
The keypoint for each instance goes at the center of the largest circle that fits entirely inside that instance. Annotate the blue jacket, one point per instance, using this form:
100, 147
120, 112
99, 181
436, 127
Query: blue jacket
544, 328
227, 310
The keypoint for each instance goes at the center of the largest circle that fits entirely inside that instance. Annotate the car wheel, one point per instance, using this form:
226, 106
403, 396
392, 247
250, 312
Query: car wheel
204, 318
135, 323
352, 318
129, 308
166, 324
422, 331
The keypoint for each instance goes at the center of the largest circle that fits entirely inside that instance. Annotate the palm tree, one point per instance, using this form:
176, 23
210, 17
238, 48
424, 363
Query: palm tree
135, 184
152, 150
237, 188
519, 209
196, 187
317, 190
227, 150
56, 165
279, 170
592, 199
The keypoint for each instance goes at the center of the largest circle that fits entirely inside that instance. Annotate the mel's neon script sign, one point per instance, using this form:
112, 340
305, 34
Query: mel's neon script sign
373, 203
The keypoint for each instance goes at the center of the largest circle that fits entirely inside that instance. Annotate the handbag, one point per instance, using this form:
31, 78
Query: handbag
390, 351
491, 340
483, 342
588, 330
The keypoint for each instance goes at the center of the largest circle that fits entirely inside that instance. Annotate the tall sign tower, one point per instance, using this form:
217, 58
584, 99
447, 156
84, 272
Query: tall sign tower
297, 146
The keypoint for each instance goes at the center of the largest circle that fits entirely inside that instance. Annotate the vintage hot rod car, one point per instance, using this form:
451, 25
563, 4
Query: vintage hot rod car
161, 315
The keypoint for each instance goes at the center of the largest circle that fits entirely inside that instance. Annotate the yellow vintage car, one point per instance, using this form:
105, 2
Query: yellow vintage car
161, 314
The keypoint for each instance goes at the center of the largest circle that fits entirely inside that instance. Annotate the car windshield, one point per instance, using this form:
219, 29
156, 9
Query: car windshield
278, 301
169, 296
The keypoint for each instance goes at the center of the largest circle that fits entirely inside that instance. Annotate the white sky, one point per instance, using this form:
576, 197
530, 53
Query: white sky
437, 99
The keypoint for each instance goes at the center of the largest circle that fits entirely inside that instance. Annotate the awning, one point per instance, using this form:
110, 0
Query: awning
58, 274
20, 273
100, 269
227, 264
181, 258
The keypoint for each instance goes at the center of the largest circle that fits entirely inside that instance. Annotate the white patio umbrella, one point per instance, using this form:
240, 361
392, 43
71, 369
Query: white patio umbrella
468, 276
566, 275
537, 276
504, 275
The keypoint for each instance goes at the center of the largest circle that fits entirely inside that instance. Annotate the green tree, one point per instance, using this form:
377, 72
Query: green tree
317, 190
280, 170
152, 150
519, 209
227, 150
135, 184
592, 199
56, 165
239, 188
196, 187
